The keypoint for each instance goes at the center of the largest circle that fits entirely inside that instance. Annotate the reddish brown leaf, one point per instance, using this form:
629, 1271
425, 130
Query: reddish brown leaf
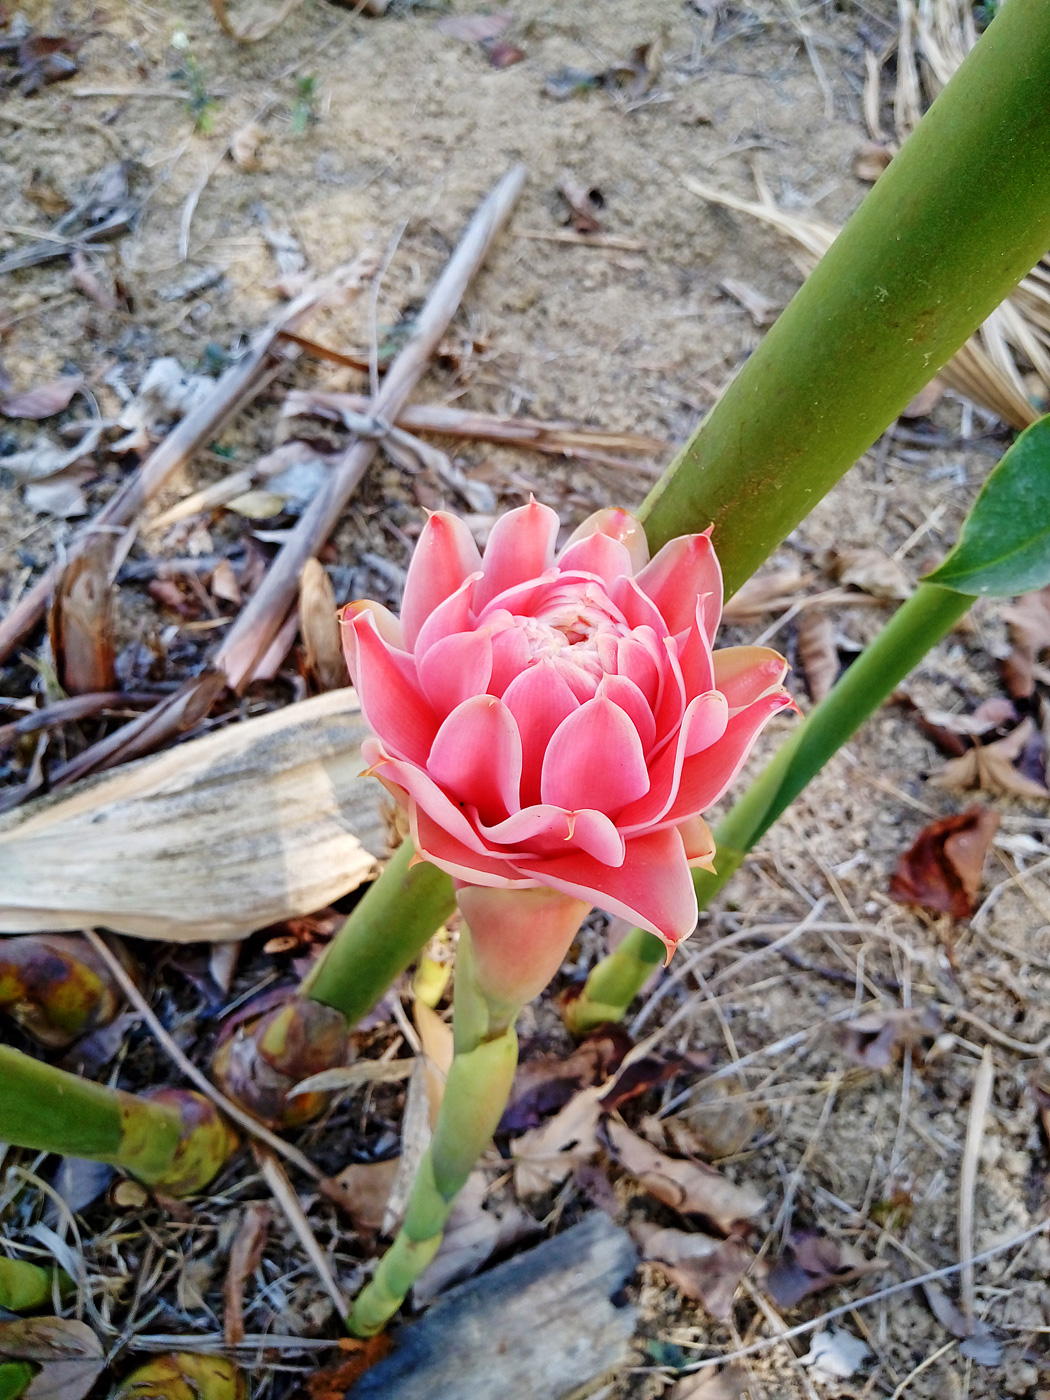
700, 1266
942, 869
44, 401
814, 1262
332, 1382
689, 1187
245, 1257
544, 1085
503, 55
81, 622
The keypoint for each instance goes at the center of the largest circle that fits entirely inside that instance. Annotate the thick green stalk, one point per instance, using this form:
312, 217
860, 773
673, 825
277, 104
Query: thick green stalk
476, 1092
389, 926
915, 627
173, 1140
962, 213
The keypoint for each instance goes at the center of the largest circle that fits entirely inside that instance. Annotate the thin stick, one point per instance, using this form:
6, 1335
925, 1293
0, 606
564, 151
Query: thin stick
237, 387
255, 629
982, 1096
891, 1291
243, 1120
289, 1202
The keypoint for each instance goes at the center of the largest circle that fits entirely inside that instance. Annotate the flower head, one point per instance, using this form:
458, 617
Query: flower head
560, 719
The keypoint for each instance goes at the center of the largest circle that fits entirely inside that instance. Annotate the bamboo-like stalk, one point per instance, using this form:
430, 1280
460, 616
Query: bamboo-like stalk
171, 1139
928, 615
959, 217
476, 1092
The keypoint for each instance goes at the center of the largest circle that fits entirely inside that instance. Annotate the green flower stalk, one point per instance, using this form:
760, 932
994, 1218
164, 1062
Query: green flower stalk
56, 987
170, 1139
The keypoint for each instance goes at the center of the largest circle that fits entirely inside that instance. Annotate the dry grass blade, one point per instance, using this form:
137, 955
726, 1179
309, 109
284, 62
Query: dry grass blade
213, 839
286, 1198
979, 1103
978, 371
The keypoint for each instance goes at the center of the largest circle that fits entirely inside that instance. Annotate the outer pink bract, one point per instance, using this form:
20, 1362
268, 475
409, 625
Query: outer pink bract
561, 720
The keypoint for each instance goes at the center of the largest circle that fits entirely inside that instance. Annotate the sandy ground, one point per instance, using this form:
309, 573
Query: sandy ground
405, 129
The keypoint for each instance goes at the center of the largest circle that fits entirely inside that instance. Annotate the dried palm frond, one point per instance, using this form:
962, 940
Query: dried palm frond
266, 820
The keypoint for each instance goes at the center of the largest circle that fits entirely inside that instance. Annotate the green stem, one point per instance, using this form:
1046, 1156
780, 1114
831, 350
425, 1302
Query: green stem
918, 625
389, 926
476, 1092
14, 1378
961, 214
174, 1140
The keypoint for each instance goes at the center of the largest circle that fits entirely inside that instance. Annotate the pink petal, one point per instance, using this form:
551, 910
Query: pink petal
389, 696
637, 607
626, 694
652, 888
705, 776
551, 831
618, 525
742, 674
387, 625
434, 843
635, 661
684, 570
539, 699
511, 654
419, 790
476, 757
704, 723
456, 668
443, 557
597, 554
455, 614
524, 599
594, 759
699, 843
520, 547
671, 705
695, 657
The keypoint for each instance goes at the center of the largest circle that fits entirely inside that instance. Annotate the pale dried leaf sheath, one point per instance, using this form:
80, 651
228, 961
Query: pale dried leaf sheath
319, 628
264, 821
81, 622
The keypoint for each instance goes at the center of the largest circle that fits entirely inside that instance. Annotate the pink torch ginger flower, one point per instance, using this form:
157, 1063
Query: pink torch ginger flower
558, 721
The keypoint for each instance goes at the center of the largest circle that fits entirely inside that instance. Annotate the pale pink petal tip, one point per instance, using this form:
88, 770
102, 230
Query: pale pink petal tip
617, 524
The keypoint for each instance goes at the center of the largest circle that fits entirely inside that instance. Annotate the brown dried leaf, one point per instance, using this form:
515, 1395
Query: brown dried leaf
472, 1236
546, 1155
44, 59
584, 203
925, 401
544, 1085
706, 1269
244, 146
363, 1191
978, 1341
503, 55
871, 160
814, 1262
81, 622
766, 593
731, 1383
85, 279
1028, 622
873, 1039
474, 29
435, 1038
817, 653
44, 401
245, 1257
873, 571
224, 583
70, 1355
255, 29
689, 1187
319, 629
990, 767
942, 869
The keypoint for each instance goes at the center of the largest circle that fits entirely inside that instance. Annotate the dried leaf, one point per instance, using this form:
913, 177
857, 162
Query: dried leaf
435, 1038
990, 767
319, 629
59, 496
761, 310
817, 652
364, 1189
216, 838
474, 29
359, 1075
732, 1382
871, 160
813, 1262
224, 583
1028, 622
415, 1139
45, 59
44, 401
766, 593
942, 869
544, 1085
255, 29
244, 147
649, 1072
706, 1269
70, 1355
85, 279
584, 204
80, 623
978, 1342
257, 505
874, 1039
717, 1123
472, 1236
691, 1188
835, 1355
545, 1156
925, 401
245, 1257
503, 55
873, 571
333, 1382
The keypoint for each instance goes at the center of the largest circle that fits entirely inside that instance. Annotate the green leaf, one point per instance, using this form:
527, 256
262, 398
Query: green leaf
1004, 547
